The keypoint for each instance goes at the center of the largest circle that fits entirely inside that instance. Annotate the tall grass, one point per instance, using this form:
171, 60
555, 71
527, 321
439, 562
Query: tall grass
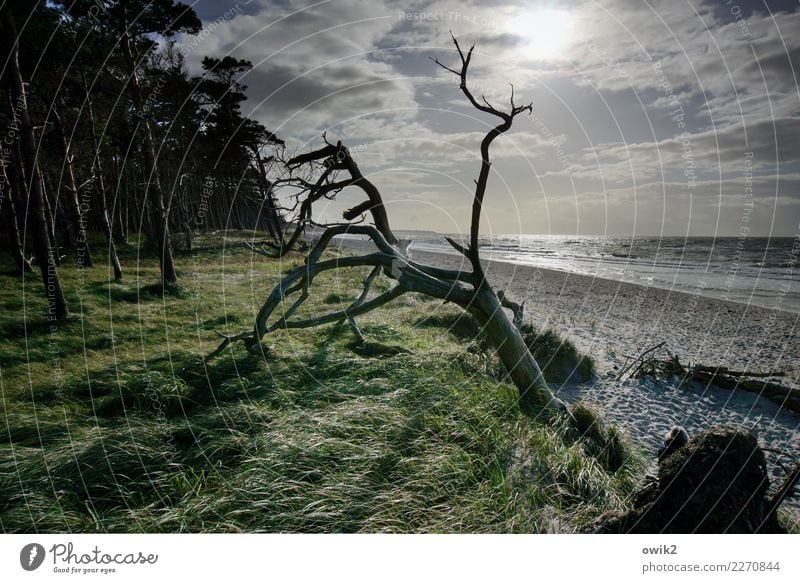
115, 421
559, 358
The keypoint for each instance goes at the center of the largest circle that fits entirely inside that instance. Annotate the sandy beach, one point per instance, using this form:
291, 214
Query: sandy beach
609, 320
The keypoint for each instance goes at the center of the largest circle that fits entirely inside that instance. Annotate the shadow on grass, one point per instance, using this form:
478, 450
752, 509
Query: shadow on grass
44, 344
121, 292
371, 349
462, 326
20, 328
169, 386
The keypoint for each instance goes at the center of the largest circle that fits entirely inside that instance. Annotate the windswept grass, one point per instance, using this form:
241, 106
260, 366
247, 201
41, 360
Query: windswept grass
560, 360
116, 422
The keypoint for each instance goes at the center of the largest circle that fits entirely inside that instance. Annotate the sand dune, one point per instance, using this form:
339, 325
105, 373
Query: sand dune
609, 320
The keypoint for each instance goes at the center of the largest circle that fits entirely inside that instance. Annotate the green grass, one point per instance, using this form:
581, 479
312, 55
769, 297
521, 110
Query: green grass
115, 422
559, 359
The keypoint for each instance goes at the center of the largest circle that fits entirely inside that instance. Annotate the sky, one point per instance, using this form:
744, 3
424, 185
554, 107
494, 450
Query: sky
671, 118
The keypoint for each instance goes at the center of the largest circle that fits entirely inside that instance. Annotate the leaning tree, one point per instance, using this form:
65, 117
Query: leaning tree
467, 288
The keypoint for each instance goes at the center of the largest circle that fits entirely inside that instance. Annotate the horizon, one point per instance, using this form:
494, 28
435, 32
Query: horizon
646, 117
607, 235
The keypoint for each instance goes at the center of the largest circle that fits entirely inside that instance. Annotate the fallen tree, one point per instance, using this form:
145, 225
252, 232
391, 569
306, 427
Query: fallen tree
760, 383
469, 289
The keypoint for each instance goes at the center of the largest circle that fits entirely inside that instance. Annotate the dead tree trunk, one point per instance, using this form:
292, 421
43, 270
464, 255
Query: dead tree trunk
74, 211
10, 219
45, 257
153, 192
469, 290
97, 178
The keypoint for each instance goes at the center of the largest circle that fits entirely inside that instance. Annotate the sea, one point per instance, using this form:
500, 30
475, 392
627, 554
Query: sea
751, 270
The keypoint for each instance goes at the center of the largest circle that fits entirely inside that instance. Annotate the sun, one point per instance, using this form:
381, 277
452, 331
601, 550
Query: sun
547, 32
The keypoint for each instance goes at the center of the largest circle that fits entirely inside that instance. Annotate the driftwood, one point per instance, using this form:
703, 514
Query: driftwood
737, 373
647, 364
638, 359
786, 397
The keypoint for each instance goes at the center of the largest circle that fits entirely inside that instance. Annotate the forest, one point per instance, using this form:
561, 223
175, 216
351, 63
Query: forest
107, 132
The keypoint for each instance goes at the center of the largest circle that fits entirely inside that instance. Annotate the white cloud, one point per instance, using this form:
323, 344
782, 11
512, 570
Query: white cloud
360, 70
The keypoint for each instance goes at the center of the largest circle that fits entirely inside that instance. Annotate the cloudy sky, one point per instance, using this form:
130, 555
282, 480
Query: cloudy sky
653, 117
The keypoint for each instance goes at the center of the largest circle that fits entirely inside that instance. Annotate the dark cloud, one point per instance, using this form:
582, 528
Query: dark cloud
361, 68
333, 93
776, 67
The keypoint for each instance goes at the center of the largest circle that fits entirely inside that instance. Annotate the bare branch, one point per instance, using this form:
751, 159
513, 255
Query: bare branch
467, 289
443, 66
337, 157
362, 208
376, 302
261, 250
445, 274
228, 339
472, 252
367, 285
458, 247
356, 329
326, 152
331, 225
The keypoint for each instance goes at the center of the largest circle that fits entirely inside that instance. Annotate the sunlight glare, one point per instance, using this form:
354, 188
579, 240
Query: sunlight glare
547, 32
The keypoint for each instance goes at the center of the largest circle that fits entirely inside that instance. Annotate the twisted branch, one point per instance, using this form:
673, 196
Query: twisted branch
472, 251
467, 289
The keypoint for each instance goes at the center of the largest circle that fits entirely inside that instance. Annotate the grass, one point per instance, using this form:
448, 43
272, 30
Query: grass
115, 422
560, 360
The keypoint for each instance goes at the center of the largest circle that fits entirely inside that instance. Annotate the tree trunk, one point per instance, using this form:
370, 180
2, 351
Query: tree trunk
534, 394
50, 217
268, 201
105, 224
467, 289
232, 216
121, 230
76, 215
56, 302
159, 212
12, 226
97, 172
